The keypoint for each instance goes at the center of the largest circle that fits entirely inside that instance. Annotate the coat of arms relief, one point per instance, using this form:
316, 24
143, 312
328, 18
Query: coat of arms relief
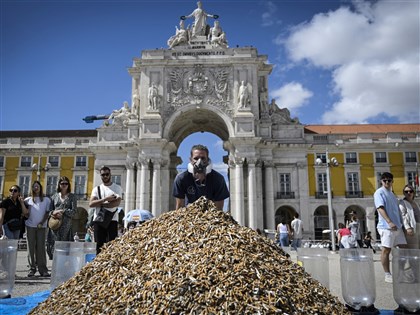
199, 86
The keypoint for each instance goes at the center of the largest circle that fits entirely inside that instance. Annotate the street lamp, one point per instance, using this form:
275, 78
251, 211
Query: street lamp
39, 168
333, 162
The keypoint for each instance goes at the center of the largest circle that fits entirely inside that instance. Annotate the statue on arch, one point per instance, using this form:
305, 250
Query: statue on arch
180, 37
243, 95
120, 116
153, 96
135, 104
217, 37
200, 27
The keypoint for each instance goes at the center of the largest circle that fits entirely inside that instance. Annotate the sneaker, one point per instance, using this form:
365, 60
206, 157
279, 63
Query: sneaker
45, 275
388, 278
31, 273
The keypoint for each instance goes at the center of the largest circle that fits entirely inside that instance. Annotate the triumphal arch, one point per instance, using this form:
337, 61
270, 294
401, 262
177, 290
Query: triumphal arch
199, 83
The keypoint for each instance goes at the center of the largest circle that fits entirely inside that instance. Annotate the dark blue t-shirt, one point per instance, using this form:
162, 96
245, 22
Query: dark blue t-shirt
185, 187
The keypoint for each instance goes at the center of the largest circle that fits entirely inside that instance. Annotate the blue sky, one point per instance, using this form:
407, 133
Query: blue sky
335, 62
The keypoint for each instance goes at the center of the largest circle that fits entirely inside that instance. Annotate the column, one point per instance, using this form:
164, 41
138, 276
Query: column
156, 196
252, 195
130, 187
269, 196
239, 191
166, 184
143, 190
260, 201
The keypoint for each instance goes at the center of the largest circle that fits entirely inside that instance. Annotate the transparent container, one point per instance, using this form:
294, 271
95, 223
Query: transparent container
406, 278
357, 277
8, 257
315, 262
69, 258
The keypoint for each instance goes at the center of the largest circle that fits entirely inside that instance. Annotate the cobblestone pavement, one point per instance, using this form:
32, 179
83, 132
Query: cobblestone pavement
384, 293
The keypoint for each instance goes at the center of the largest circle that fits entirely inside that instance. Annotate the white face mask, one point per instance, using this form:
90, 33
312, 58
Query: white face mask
199, 165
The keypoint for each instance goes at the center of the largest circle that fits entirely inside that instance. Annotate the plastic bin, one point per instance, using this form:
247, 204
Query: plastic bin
69, 258
406, 278
357, 277
315, 262
8, 257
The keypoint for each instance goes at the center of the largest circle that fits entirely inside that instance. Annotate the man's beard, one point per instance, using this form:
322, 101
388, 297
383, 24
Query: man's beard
106, 180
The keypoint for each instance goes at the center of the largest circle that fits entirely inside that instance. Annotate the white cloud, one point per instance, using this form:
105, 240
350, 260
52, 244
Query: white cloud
374, 56
268, 17
292, 96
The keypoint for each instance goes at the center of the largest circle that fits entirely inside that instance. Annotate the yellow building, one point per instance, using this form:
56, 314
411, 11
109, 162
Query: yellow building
362, 153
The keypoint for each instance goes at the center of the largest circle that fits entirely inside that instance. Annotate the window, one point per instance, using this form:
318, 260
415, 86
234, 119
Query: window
411, 179
116, 179
52, 182
54, 160
55, 141
27, 141
25, 184
80, 186
81, 161
1, 161
285, 183
353, 189
351, 157
380, 157
26, 161
410, 157
322, 156
322, 183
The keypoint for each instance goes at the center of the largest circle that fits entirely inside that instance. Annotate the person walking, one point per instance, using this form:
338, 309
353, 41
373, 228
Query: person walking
354, 232
410, 212
389, 221
12, 211
343, 235
368, 241
36, 226
297, 229
200, 180
283, 231
63, 208
107, 195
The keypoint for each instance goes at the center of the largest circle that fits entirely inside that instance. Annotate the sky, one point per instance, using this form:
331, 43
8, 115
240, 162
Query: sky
335, 62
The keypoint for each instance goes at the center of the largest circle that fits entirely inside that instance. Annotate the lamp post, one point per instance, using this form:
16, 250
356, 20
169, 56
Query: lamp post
332, 162
39, 168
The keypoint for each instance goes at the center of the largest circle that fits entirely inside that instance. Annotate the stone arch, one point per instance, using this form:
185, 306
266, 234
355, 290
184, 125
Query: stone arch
361, 215
286, 213
321, 222
191, 119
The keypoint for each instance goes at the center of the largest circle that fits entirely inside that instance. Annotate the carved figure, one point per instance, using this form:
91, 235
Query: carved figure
120, 116
281, 114
243, 95
153, 97
263, 100
217, 36
135, 104
200, 26
180, 37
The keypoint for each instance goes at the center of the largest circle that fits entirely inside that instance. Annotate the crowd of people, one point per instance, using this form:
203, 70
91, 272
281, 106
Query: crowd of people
48, 220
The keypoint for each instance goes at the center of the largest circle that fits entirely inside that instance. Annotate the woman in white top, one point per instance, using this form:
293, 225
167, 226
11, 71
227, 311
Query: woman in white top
410, 212
283, 231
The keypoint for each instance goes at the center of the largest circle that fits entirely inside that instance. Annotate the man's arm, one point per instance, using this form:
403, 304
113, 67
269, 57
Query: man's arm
383, 213
179, 203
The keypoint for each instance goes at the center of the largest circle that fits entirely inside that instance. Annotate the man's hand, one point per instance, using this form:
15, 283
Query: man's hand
392, 226
410, 231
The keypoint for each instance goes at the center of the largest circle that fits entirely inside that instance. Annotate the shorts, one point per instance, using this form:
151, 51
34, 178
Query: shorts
390, 238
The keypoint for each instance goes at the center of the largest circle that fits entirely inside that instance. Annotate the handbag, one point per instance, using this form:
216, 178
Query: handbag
14, 224
103, 217
54, 224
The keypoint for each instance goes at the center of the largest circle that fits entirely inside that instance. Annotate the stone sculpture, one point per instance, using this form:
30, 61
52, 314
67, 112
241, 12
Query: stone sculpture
180, 37
200, 26
216, 36
243, 95
153, 96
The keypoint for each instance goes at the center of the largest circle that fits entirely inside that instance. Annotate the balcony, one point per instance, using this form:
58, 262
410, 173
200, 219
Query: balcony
354, 194
285, 195
322, 195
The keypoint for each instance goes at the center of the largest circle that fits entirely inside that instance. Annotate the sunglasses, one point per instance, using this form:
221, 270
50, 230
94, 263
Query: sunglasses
13, 190
408, 191
63, 183
105, 174
387, 180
